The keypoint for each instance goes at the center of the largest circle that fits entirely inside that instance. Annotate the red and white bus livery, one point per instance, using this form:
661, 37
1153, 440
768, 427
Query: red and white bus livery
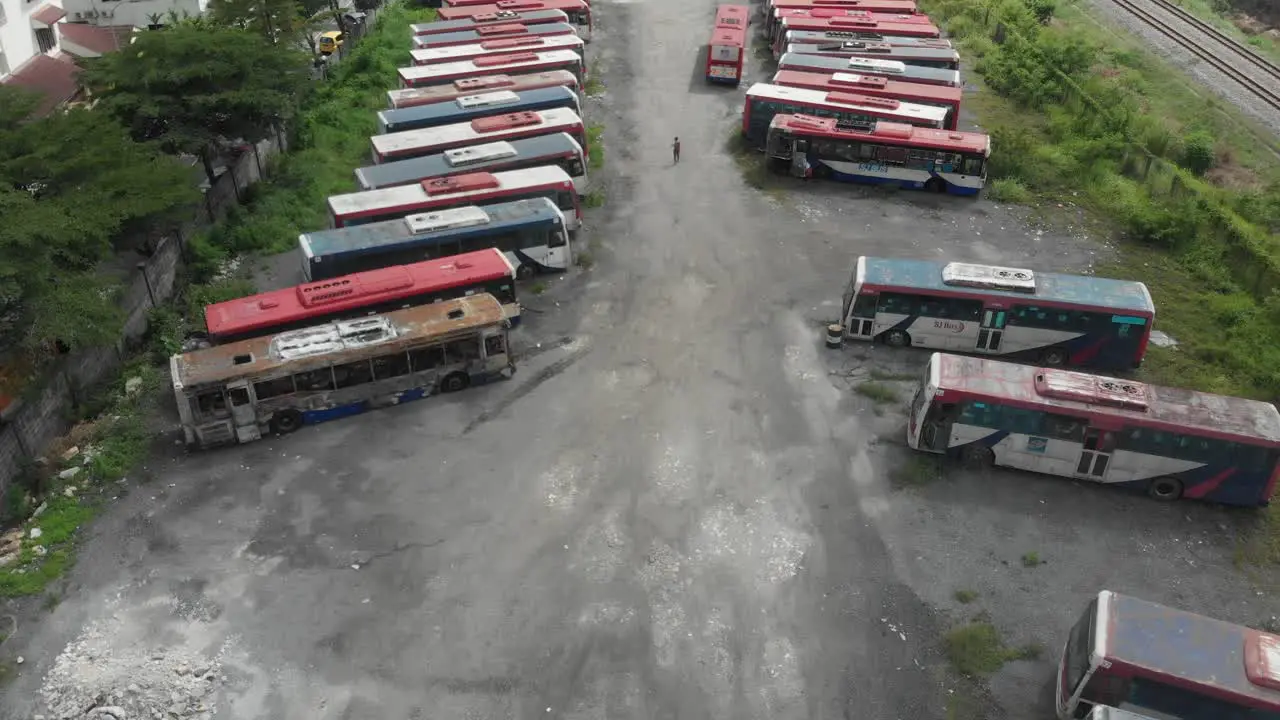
578, 11
764, 101
466, 87
499, 46
727, 47
937, 95
829, 36
514, 63
478, 20
895, 69
510, 126
932, 57
492, 32
851, 23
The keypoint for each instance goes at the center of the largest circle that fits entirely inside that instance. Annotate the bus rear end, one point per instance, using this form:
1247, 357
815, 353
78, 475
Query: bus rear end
727, 47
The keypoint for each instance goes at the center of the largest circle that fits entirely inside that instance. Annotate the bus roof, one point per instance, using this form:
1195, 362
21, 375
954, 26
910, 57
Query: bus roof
860, 24
352, 292
887, 107
1083, 394
412, 97
733, 16
465, 186
474, 158
728, 37
821, 36
490, 65
479, 130
503, 3
469, 106
868, 66
474, 19
858, 48
887, 6
497, 46
825, 13
492, 32
870, 85
395, 331
453, 13
888, 133
1190, 649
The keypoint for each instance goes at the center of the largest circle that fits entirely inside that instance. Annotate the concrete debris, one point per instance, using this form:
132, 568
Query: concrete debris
40, 510
69, 491
71, 452
69, 473
35, 533
132, 385
40, 551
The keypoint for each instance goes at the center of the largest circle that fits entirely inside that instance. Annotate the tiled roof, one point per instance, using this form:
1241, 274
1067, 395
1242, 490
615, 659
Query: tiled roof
48, 14
95, 39
53, 76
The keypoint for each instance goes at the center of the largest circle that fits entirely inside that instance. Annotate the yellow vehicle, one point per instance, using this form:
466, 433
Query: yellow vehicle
329, 42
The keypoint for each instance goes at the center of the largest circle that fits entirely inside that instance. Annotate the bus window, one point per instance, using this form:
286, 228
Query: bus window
212, 403
461, 351
352, 374
494, 345
898, 303
426, 358
557, 238
314, 380
274, 387
389, 366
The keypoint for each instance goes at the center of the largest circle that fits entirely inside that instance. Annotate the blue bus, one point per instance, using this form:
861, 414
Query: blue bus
530, 232
559, 149
470, 107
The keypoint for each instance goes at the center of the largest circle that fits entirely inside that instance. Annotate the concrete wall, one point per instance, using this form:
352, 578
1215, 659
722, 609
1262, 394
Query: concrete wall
43, 415
130, 12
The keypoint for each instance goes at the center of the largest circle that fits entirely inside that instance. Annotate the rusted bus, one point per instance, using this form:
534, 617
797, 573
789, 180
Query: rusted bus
236, 392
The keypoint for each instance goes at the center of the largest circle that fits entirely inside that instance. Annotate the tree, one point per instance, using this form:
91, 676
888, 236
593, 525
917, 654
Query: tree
192, 87
276, 21
70, 185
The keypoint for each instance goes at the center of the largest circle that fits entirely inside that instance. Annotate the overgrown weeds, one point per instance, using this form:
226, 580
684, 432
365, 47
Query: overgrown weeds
595, 145
877, 391
917, 470
976, 649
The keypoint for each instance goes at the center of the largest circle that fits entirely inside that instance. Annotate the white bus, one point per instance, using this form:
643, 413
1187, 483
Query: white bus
500, 46
493, 128
236, 392
510, 64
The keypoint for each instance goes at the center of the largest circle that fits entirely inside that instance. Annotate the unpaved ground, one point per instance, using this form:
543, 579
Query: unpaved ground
679, 508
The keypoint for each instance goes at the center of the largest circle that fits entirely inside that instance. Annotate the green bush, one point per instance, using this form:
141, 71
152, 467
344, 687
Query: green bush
1197, 152
1042, 9
1010, 190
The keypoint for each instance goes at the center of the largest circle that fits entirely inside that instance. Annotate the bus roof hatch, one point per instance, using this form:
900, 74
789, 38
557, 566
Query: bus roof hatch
989, 276
871, 81
494, 123
1092, 389
479, 153
504, 29
447, 219
1262, 660
511, 42
477, 83
499, 97
489, 60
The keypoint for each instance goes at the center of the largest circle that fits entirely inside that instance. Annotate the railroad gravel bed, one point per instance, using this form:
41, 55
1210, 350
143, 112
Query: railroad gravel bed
1208, 76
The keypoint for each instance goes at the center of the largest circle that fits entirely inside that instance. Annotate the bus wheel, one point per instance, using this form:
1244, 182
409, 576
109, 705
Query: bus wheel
897, 338
935, 185
286, 421
1165, 488
1054, 357
977, 457
454, 382
524, 272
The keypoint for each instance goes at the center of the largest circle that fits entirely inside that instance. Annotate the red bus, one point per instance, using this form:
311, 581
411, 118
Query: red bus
904, 7
477, 21
850, 23
775, 15
579, 11
1158, 662
492, 32
829, 36
499, 47
412, 97
875, 86
943, 58
364, 293
522, 62
728, 44
493, 128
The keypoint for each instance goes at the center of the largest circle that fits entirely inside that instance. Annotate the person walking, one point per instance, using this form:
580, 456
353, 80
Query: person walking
675, 151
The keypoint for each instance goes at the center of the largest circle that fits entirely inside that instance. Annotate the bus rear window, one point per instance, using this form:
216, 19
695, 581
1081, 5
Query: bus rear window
1079, 647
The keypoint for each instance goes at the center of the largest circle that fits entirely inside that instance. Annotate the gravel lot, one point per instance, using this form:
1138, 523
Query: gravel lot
678, 508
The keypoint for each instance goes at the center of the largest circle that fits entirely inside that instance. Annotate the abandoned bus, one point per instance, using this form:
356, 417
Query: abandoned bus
817, 37
1147, 661
492, 32
530, 232
477, 188
237, 392
919, 93
879, 153
578, 11
413, 97
499, 46
365, 293
559, 149
1046, 318
851, 23
494, 128
418, 76
476, 21
764, 101
944, 58
470, 107
869, 66
726, 49
1167, 442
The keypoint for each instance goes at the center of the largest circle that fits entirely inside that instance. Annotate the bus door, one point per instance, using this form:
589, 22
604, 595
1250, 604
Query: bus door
800, 157
991, 330
243, 415
1095, 454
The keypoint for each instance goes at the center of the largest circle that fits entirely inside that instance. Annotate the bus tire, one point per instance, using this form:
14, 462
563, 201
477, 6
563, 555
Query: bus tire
977, 457
453, 382
936, 185
1165, 489
286, 421
897, 338
1055, 357
525, 271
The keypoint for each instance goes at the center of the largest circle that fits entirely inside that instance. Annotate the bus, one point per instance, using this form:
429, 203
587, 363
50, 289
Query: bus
851, 23
413, 97
365, 293
492, 32
1152, 661
498, 46
1170, 443
813, 37
896, 7
237, 392
938, 95
508, 127
417, 76
559, 149
477, 20
470, 107
868, 66
879, 153
727, 47
477, 188
578, 11
1047, 318
944, 58
764, 101
530, 232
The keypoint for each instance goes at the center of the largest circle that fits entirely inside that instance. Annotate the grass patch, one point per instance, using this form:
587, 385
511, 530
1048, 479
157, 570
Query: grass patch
1009, 190
593, 199
976, 649
877, 391
538, 288
594, 85
917, 470
887, 376
964, 597
595, 142
1031, 559
585, 260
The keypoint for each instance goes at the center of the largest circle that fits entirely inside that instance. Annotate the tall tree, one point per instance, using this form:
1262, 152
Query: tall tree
192, 87
276, 21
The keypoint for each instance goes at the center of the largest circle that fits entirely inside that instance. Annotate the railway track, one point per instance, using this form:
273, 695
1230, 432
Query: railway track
1228, 56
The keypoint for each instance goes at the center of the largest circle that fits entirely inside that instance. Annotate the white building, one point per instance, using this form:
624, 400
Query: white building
130, 13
